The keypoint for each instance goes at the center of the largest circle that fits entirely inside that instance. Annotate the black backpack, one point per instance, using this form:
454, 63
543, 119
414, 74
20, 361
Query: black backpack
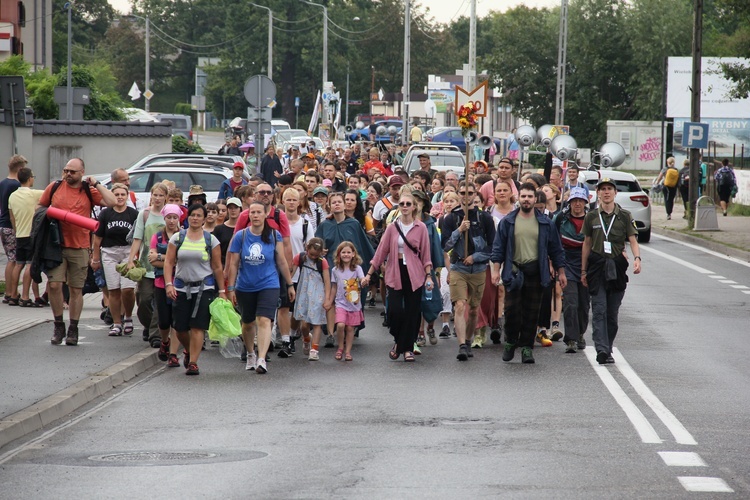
84, 187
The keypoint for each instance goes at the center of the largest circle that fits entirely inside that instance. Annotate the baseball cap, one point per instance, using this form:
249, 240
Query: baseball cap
395, 180
238, 164
319, 190
423, 155
234, 201
606, 180
310, 155
577, 193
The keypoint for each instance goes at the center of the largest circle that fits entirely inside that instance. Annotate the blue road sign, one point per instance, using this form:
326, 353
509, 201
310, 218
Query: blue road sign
296, 102
695, 135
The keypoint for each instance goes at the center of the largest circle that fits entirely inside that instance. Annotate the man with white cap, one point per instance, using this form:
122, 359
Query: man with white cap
576, 300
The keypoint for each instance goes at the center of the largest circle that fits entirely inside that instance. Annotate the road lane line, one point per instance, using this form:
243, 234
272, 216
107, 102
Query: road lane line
54, 430
705, 484
717, 277
700, 249
682, 459
728, 282
739, 287
685, 263
644, 429
679, 431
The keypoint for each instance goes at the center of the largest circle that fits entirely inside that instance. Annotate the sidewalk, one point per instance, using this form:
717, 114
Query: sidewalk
733, 237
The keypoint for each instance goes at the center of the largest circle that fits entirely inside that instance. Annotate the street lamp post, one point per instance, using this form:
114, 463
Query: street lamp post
325, 40
69, 89
270, 37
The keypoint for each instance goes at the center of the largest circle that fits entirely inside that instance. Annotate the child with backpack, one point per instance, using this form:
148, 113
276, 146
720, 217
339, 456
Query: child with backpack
313, 294
345, 279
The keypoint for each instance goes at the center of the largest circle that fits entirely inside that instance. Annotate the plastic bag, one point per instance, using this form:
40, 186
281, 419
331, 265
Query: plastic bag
225, 322
232, 348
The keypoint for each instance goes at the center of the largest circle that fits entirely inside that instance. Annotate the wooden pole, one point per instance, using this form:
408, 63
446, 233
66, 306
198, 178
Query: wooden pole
466, 196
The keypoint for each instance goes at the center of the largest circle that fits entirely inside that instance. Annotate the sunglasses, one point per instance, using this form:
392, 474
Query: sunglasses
405, 204
264, 193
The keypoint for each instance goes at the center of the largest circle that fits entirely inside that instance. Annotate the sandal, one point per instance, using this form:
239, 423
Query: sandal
394, 352
13, 302
115, 331
40, 302
339, 354
127, 326
6, 298
348, 357
27, 303
408, 356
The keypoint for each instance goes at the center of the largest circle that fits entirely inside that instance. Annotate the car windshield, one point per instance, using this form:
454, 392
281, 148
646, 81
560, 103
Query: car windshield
439, 163
623, 186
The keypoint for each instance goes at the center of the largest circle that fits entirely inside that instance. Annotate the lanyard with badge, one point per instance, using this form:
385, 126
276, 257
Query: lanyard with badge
606, 230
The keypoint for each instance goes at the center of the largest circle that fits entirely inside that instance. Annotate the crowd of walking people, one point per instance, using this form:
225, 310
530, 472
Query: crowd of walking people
302, 251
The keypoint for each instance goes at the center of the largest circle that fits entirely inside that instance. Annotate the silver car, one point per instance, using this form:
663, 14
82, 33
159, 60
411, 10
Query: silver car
630, 196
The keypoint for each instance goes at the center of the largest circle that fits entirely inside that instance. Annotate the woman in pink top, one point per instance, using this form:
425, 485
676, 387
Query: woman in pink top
407, 271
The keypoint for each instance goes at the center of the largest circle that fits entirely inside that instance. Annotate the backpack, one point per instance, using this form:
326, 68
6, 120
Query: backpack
206, 237
84, 187
131, 233
305, 223
685, 177
671, 177
724, 177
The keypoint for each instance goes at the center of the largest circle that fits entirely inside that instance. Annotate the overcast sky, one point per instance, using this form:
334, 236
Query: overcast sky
442, 10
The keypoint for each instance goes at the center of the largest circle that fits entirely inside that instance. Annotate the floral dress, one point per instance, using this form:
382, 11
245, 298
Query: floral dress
308, 306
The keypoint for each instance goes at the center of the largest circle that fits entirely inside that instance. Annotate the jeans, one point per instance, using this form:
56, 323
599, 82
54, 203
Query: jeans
576, 304
670, 193
605, 306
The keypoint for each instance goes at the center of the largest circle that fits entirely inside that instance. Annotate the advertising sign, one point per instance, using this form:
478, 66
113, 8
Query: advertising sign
443, 99
714, 88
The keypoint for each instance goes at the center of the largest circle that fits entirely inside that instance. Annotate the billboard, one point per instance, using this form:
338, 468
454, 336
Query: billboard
714, 88
443, 99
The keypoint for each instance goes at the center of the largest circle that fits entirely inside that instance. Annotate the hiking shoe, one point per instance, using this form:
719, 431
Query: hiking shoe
145, 335
527, 355
313, 355
477, 342
445, 333
541, 338
495, 335
192, 369
261, 368
509, 351
421, 341
292, 348
58, 333
570, 346
372, 302
163, 351
601, 357
172, 361
468, 349
286, 350
330, 342
72, 338
581, 344
556, 334
252, 361
431, 336
463, 353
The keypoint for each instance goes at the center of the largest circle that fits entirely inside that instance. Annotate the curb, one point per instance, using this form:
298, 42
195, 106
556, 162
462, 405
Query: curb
62, 403
711, 245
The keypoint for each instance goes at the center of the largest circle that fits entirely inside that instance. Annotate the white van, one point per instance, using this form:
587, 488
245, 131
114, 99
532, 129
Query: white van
280, 125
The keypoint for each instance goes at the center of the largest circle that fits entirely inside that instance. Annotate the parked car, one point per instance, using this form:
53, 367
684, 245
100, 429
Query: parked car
162, 157
182, 125
443, 157
450, 135
630, 196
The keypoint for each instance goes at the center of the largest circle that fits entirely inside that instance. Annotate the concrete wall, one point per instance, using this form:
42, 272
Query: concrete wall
47, 154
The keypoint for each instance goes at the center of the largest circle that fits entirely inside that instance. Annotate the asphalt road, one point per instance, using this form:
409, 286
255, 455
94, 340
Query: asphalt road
668, 418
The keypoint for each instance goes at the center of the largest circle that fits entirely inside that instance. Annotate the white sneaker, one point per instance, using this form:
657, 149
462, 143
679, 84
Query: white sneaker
261, 368
313, 355
305, 348
252, 361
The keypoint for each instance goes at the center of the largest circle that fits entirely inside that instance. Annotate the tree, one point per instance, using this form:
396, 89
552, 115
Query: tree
735, 42
90, 20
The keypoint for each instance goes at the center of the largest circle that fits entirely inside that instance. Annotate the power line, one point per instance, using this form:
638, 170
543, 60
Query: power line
210, 46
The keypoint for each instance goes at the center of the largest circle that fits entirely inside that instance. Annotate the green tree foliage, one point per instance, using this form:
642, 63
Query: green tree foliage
90, 21
730, 36
182, 145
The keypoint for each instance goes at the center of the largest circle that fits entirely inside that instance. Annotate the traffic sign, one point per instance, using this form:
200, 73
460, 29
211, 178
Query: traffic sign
148, 94
296, 102
695, 135
256, 114
260, 91
355, 103
255, 129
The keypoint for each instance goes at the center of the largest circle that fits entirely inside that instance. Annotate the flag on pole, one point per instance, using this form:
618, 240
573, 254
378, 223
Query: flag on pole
135, 92
337, 120
314, 118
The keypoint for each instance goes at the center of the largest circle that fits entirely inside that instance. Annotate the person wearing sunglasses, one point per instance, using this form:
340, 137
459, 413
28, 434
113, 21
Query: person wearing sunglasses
467, 236
405, 250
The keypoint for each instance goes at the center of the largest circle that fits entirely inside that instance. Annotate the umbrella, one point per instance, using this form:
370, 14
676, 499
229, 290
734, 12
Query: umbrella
247, 146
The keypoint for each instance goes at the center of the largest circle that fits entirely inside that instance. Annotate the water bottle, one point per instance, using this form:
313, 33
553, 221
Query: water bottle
427, 294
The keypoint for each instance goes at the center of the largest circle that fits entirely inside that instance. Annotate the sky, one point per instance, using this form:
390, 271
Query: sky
442, 10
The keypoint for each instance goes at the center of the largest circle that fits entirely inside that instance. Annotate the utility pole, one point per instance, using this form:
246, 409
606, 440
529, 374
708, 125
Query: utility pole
695, 108
406, 95
346, 119
69, 89
147, 85
562, 54
472, 46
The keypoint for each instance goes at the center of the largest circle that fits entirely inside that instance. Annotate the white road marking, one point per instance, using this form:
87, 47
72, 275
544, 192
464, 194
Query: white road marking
717, 277
746, 291
682, 459
644, 429
728, 282
679, 431
739, 287
705, 484
87, 414
701, 249
677, 260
